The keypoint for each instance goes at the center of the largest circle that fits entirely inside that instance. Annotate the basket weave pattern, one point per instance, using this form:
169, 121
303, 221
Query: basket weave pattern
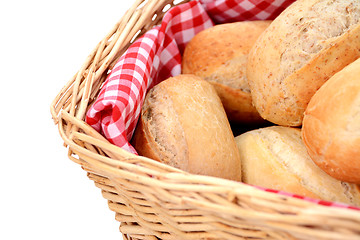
154, 201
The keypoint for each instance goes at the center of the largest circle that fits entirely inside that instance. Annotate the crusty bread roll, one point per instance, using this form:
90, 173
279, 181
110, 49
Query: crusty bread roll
301, 49
219, 55
183, 124
275, 157
331, 127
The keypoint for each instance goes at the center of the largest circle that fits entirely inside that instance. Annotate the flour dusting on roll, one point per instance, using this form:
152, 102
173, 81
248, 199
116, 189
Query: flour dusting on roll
183, 124
302, 48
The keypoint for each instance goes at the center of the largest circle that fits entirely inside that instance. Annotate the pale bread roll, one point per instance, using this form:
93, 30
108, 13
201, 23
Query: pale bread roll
219, 55
331, 127
303, 47
276, 158
183, 124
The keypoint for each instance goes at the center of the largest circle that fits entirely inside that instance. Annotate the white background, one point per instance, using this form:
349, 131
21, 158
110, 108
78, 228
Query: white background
44, 195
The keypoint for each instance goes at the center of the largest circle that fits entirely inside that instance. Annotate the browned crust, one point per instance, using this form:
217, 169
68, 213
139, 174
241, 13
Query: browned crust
212, 47
331, 131
142, 143
222, 51
238, 105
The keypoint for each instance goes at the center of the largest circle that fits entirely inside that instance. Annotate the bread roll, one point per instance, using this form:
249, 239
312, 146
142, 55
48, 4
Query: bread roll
303, 47
331, 127
276, 158
219, 55
183, 124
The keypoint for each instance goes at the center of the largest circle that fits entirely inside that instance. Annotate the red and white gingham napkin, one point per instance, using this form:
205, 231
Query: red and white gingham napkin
156, 56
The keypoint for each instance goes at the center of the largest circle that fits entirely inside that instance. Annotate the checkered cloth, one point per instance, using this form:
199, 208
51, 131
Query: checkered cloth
156, 56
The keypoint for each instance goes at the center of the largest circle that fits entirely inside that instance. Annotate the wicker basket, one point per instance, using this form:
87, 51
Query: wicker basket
155, 201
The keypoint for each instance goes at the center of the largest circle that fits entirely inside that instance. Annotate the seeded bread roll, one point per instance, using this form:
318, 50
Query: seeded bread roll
219, 55
331, 127
303, 47
276, 158
183, 124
